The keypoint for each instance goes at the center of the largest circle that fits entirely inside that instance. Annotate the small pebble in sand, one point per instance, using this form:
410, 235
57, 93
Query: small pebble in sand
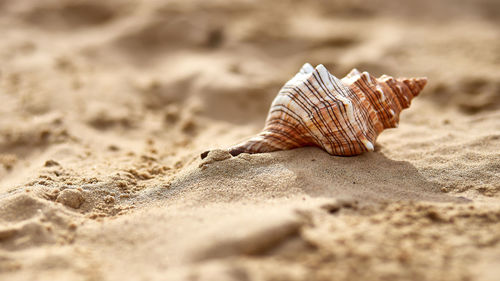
72, 226
172, 114
109, 199
51, 163
113, 147
71, 198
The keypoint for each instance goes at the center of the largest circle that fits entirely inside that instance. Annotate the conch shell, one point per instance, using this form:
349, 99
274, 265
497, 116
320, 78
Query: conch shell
342, 116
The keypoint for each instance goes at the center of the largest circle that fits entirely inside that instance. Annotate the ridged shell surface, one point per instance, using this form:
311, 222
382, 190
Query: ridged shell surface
342, 116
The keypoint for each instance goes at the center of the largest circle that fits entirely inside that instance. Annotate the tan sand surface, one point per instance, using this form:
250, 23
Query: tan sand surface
107, 105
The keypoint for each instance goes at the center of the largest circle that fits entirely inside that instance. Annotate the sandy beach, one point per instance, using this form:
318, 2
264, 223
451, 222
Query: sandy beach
107, 106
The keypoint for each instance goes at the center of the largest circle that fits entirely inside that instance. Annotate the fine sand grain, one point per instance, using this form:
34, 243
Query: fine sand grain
107, 105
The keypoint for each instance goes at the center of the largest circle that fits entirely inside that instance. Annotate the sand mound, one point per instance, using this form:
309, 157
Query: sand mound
107, 106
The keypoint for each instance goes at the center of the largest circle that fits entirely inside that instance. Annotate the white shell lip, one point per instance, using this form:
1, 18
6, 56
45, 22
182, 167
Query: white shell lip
352, 76
304, 73
366, 75
368, 145
306, 68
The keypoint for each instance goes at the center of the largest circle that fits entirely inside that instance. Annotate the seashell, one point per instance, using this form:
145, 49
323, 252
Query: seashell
342, 116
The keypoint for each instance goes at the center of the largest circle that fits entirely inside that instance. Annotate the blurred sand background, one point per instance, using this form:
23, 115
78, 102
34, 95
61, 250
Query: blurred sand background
107, 105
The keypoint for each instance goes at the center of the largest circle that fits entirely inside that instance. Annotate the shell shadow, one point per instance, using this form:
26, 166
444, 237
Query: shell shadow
370, 177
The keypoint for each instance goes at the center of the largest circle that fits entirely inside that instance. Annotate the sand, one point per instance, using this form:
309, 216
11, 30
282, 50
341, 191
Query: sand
107, 105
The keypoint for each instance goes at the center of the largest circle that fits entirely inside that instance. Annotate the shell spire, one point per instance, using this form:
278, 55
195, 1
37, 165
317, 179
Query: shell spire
342, 116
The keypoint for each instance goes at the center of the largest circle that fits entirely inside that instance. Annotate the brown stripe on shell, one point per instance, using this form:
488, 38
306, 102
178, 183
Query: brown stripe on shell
350, 131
